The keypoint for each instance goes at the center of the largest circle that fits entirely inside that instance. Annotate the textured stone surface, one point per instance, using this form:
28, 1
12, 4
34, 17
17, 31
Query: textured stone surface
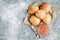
12, 27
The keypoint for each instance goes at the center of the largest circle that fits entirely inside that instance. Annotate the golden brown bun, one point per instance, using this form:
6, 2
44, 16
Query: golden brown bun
47, 19
33, 9
40, 14
45, 6
34, 20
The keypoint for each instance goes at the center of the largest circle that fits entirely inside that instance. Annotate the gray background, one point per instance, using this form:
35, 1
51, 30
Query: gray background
12, 27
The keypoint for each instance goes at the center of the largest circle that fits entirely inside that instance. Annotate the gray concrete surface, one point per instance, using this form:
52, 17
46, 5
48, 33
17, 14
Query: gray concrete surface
12, 27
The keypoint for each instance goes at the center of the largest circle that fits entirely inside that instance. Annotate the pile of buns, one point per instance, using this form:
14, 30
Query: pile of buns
40, 16
40, 12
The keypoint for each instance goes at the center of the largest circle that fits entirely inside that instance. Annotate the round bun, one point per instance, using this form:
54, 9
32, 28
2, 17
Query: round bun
40, 14
34, 20
45, 6
32, 9
47, 19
